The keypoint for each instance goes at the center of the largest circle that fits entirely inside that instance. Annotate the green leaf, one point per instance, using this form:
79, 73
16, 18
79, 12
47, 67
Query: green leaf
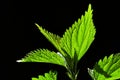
44, 55
47, 76
78, 38
106, 69
53, 38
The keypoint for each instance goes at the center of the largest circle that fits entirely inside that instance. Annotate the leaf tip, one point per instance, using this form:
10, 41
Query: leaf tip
90, 8
59, 54
19, 61
37, 25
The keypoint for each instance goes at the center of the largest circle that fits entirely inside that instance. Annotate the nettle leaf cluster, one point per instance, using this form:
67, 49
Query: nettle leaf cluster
71, 47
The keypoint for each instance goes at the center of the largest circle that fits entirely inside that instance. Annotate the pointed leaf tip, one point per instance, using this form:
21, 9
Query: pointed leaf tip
18, 61
90, 6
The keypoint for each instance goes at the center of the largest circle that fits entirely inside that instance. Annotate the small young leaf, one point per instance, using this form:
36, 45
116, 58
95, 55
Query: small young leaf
79, 37
44, 55
47, 76
106, 69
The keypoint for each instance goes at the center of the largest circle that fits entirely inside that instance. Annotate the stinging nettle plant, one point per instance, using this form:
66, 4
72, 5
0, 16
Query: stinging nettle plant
71, 48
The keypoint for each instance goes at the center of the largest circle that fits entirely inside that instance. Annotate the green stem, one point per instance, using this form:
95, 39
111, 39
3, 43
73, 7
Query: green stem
72, 68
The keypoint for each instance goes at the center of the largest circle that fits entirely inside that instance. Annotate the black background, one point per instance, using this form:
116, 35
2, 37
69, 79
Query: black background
23, 36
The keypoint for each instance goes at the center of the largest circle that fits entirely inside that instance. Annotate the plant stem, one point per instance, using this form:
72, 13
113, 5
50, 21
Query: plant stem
72, 69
